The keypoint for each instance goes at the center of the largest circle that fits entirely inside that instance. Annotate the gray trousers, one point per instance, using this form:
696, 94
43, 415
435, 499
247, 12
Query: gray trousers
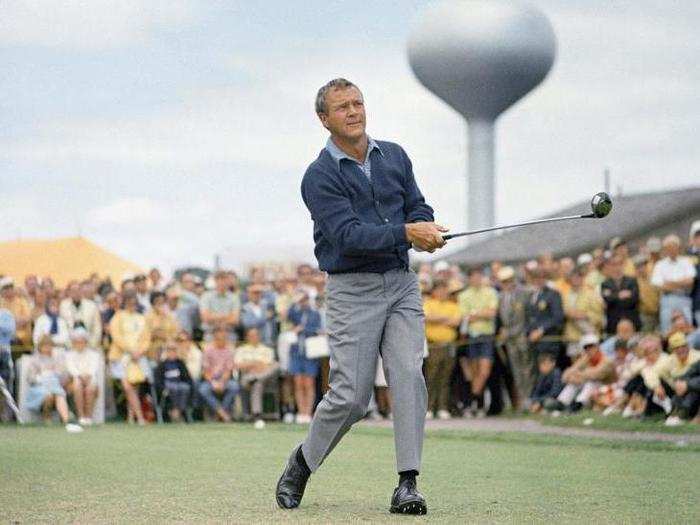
369, 313
256, 383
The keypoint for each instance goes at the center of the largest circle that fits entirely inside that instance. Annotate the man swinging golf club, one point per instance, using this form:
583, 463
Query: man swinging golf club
367, 212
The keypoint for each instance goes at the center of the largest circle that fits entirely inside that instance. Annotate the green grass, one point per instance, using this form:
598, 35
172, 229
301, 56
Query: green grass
227, 473
618, 423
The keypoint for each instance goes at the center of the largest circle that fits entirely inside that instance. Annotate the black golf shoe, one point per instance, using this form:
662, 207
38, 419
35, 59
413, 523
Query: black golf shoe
407, 499
291, 485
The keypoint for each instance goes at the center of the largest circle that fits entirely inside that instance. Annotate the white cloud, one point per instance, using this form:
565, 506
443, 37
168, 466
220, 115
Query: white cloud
91, 25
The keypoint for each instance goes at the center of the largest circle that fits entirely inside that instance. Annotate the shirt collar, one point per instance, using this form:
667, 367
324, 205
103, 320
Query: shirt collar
338, 154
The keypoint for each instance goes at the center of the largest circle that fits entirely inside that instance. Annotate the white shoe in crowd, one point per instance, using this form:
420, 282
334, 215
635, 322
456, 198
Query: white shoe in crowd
302, 419
72, 428
288, 418
673, 421
429, 415
444, 415
628, 412
259, 424
85, 421
612, 409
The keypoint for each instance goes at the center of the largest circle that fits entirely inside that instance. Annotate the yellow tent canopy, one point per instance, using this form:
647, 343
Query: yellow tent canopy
61, 259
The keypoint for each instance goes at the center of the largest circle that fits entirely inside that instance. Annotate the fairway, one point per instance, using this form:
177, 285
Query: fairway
227, 473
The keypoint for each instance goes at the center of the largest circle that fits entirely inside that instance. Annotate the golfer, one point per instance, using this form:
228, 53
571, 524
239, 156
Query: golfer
367, 212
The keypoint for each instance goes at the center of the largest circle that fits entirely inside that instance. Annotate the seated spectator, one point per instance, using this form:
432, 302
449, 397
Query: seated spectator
548, 385
608, 398
621, 295
687, 389
661, 378
142, 293
586, 375
127, 353
45, 376
220, 308
80, 311
83, 364
257, 313
161, 324
624, 331
52, 324
679, 323
256, 363
637, 400
217, 374
306, 322
190, 354
673, 276
173, 380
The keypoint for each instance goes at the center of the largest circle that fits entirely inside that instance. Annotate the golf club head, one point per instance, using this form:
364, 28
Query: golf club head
601, 205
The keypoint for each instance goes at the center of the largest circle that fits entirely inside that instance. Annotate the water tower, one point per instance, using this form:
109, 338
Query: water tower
481, 57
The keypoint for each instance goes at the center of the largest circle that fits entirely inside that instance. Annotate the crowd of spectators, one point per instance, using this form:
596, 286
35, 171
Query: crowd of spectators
605, 330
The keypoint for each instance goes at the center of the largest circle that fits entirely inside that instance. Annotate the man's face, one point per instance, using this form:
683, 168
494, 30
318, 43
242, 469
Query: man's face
345, 113
696, 240
220, 338
74, 292
253, 337
590, 350
625, 330
79, 344
188, 282
476, 279
221, 284
254, 296
8, 293
672, 249
545, 366
681, 353
440, 292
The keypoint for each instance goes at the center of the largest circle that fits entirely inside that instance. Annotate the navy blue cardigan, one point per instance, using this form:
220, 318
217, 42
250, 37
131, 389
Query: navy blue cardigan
358, 223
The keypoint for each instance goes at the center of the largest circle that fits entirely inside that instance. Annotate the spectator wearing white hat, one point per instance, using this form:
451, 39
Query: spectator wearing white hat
694, 253
586, 375
83, 364
674, 276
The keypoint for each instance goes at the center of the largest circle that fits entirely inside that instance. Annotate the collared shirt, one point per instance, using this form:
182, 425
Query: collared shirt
359, 223
338, 155
440, 332
669, 270
474, 300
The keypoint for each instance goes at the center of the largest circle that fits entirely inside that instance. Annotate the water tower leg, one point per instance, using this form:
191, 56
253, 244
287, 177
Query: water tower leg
481, 183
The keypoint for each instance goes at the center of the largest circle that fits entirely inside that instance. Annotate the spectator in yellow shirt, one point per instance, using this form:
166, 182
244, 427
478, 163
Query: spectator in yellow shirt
648, 295
12, 299
583, 309
478, 306
442, 317
127, 354
161, 323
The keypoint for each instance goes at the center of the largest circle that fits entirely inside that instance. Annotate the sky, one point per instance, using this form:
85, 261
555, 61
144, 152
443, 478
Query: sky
172, 131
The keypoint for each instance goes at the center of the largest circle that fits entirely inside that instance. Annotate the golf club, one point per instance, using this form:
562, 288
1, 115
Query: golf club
10, 400
601, 205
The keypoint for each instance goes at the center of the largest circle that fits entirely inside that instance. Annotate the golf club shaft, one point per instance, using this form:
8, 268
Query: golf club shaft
538, 221
8, 397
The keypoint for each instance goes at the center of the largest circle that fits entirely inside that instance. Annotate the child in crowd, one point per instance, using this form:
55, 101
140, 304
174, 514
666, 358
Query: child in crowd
548, 385
173, 378
608, 397
45, 376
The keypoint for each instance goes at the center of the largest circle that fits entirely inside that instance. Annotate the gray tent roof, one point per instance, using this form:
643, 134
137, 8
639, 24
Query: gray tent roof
632, 216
